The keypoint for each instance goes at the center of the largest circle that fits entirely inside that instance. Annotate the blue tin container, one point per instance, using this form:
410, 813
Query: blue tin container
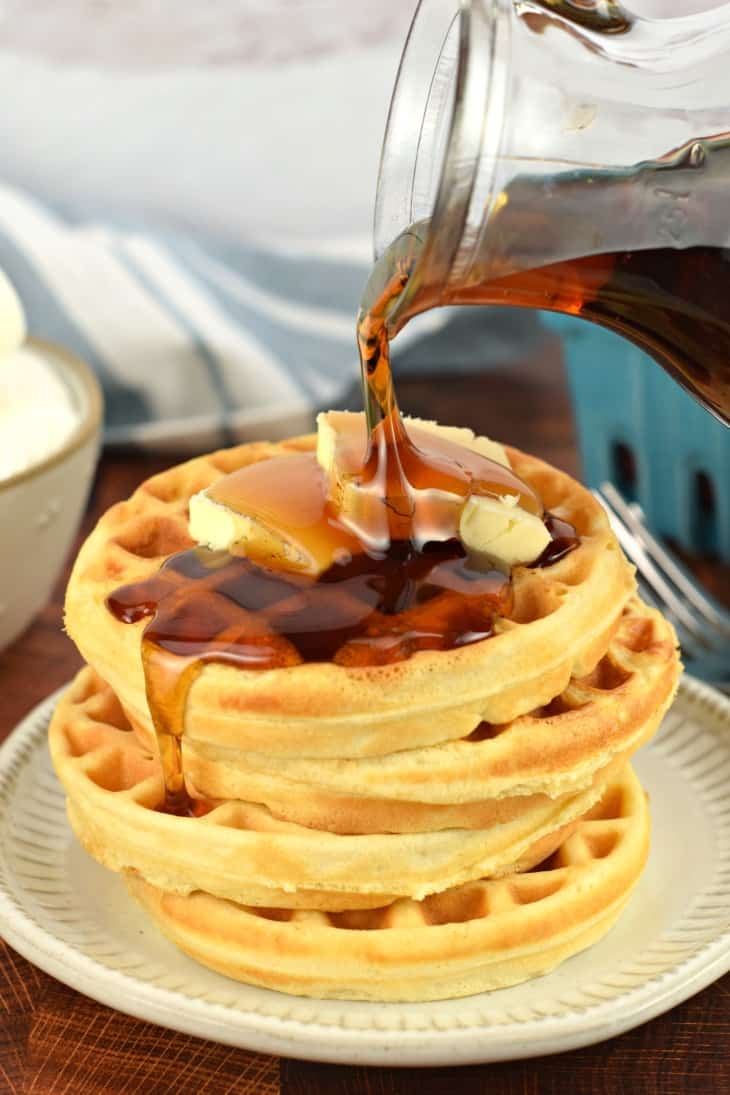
639, 429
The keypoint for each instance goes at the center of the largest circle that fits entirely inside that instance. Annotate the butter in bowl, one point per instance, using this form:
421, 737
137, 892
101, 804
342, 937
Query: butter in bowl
50, 426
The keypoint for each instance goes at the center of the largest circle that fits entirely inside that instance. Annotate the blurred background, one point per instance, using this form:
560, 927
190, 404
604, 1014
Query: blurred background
192, 186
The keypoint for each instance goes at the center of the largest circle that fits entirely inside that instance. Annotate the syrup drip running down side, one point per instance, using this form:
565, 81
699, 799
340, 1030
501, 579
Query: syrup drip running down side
366, 584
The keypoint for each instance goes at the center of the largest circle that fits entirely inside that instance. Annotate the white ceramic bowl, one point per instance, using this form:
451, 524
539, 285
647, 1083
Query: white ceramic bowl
41, 507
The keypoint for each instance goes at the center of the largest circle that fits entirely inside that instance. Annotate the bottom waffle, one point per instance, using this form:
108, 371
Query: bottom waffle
475, 937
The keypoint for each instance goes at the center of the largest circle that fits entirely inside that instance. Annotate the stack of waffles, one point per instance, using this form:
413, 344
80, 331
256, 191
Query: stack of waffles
453, 822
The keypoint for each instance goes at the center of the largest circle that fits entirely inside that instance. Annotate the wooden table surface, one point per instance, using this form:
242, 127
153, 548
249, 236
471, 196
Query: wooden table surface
53, 1040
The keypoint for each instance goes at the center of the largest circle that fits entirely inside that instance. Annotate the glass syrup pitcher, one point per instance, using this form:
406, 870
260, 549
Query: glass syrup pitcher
570, 156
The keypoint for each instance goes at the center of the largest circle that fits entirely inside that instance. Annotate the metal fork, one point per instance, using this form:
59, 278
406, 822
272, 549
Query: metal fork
702, 624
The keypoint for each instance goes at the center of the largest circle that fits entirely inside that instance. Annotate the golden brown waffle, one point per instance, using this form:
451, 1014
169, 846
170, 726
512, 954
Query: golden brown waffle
239, 850
563, 618
479, 936
485, 778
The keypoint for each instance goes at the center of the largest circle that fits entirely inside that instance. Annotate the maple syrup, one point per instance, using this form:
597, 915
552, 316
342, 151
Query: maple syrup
671, 302
403, 472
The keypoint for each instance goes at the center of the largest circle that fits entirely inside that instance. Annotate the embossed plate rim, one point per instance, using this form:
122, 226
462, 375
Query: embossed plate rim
464, 1039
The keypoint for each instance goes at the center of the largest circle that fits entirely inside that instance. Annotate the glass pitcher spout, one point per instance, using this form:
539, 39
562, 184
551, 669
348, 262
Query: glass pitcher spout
568, 155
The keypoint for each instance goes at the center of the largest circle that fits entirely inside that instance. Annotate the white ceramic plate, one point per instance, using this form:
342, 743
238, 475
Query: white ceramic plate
75, 920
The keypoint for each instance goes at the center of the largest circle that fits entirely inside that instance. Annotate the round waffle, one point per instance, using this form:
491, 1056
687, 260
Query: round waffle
240, 851
475, 937
484, 778
561, 623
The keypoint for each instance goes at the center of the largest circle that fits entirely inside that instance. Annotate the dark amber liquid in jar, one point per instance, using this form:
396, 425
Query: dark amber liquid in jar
671, 302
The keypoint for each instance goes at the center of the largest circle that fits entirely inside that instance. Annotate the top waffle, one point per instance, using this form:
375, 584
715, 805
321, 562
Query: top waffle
561, 624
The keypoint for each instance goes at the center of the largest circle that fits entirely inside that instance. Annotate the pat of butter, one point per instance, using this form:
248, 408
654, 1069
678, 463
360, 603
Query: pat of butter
221, 528
498, 532
342, 436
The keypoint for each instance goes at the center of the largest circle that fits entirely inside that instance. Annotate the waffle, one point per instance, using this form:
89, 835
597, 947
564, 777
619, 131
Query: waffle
479, 936
240, 851
562, 621
483, 779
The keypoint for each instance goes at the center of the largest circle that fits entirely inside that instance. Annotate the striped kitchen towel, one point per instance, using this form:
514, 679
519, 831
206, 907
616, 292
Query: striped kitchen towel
200, 342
